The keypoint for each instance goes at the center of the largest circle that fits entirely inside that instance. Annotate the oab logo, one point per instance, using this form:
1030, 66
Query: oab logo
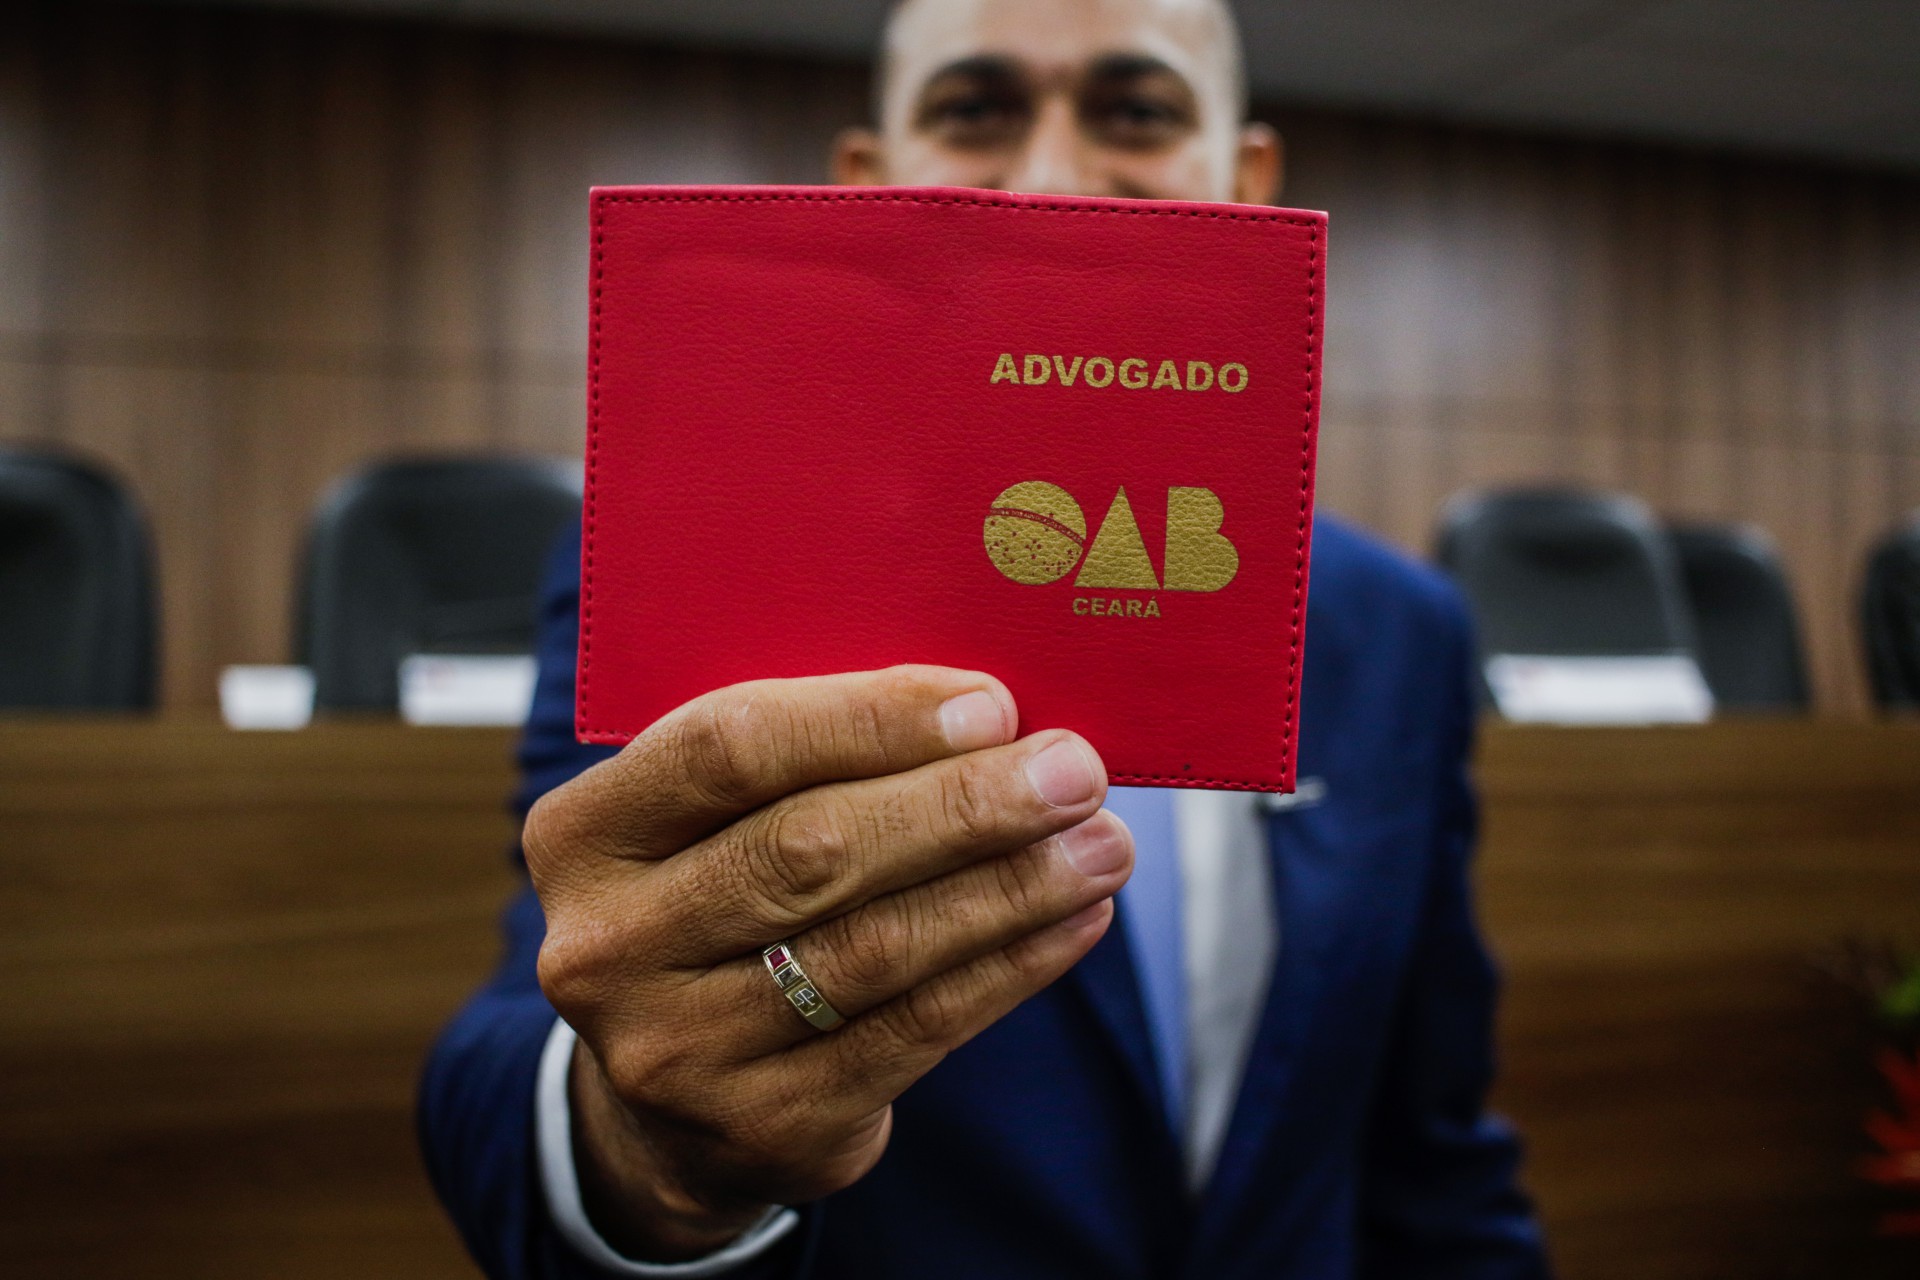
1036, 533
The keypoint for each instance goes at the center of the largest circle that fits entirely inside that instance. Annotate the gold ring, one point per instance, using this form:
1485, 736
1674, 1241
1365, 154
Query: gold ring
798, 988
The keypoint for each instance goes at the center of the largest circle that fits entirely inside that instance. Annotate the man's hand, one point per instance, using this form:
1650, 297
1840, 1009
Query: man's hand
931, 873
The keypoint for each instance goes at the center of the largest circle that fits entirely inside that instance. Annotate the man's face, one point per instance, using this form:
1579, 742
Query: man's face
1065, 97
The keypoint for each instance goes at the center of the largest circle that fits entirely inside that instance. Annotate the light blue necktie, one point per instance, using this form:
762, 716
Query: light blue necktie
1151, 909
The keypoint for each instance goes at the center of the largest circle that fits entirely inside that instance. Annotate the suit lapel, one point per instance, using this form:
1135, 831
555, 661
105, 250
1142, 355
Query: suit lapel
1107, 980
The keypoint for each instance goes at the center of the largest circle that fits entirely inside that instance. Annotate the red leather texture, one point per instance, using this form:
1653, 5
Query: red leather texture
1067, 441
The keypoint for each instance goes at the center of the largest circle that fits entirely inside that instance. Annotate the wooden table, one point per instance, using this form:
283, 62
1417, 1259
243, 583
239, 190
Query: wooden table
1664, 903
225, 955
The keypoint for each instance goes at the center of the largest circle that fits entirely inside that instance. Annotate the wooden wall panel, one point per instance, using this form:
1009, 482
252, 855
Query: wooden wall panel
1726, 338
243, 252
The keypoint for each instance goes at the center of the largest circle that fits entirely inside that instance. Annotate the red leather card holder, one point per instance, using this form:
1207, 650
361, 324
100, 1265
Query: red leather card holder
1066, 441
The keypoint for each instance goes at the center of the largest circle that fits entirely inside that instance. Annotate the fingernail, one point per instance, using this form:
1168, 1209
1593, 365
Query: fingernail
973, 720
1096, 847
1063, 774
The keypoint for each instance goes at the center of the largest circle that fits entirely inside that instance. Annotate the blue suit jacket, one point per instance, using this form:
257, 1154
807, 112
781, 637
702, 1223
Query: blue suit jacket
1359, 1146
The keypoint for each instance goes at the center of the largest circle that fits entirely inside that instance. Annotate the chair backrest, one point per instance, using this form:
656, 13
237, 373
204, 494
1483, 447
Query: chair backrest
1890, 617
426, 556
1566, 572
76, 589
1744, 620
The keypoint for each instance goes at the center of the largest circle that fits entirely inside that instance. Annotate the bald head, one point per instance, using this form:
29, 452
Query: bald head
1137, 98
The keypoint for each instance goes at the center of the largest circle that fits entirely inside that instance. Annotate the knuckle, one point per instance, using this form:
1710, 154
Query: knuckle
962, 907
712, 746
647, 1071
928, 1015
843, 727
798, 853
967, 799
1029, 964
547, 833
536, 832
1023, 881
569, 972
866, 726
605, 812
870, 948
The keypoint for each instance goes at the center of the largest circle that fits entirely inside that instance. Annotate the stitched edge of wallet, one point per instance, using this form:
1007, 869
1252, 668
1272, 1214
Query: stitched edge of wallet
1314, 267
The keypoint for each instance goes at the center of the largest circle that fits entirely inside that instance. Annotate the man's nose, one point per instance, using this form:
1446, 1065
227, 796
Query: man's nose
1055, 160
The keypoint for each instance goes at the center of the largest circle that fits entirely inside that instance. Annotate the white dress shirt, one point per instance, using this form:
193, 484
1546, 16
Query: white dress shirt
553, 1135
1229, 938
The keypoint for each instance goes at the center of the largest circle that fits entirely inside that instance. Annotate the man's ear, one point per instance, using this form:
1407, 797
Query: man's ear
858, 159
1259, 165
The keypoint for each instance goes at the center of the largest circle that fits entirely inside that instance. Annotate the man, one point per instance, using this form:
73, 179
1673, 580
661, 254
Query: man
1275, 1067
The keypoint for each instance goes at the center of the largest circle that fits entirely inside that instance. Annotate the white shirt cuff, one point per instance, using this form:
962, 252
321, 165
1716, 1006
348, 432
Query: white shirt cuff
553, 1134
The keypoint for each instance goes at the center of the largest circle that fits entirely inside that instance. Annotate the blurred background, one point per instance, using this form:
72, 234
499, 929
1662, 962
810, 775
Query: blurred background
1600, 270
1667, 248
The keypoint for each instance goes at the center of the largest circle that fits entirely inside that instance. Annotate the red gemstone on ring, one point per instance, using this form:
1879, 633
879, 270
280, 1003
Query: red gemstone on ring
778, 957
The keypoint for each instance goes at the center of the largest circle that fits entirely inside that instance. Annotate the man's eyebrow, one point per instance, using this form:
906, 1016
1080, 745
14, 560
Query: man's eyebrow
979, 66
1132, 66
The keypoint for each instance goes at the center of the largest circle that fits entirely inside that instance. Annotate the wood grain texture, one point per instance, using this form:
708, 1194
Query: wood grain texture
1665, 904
244, 252
227, 953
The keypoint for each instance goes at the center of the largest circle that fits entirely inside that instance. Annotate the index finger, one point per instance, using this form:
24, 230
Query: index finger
729, 752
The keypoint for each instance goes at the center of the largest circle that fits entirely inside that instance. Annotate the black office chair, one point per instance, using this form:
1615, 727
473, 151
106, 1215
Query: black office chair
1567, 573
426, 556
1890, 616
1743, 617
76, 589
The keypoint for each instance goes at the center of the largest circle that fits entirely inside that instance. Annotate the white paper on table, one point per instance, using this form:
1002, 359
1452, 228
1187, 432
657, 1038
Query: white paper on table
1650, 689
466, 689
264, 697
